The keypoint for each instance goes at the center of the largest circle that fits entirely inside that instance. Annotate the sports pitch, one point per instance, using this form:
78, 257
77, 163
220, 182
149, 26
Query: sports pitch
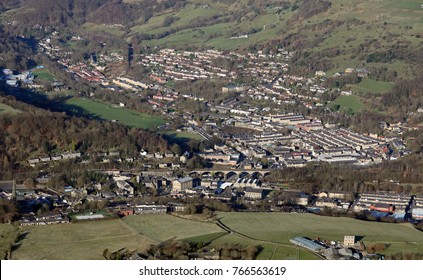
108, 112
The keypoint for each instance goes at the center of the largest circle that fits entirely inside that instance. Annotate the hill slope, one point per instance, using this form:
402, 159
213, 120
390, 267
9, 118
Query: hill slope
332, 34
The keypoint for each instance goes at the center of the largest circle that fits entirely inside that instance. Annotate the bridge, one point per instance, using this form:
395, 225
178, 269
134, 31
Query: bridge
229, 173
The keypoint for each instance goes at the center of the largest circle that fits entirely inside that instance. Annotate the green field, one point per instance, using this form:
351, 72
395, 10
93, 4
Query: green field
103, 29
43, 74
107, 112
77, 241
270, 232
280, 227
206, 238
216, 35
6, 109
267, 251
156, 227
164, 227
372, 86
351, 104
182, 18
181, 137
8, 235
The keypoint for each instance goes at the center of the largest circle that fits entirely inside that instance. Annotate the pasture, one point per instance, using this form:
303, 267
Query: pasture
43, 74
372, 86
206, 238
8, 235
267, 250
182, 18
77, 241
108, 112
351, 104
269, 231
162, 227
280, 227
181, 137
6, 109
103, 29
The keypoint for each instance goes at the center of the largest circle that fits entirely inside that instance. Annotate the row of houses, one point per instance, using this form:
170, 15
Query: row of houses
169, 64
130, 84
46, 219
338, 146
64, 156
108, 156
143, 209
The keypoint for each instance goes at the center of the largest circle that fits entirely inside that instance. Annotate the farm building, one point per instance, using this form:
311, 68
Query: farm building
90, 216
349, 240
46, 219
307, 243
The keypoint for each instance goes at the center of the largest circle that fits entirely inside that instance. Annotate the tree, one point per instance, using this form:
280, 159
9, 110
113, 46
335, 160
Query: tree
106, 254
176, 149
195, 162
82, 180
6, 163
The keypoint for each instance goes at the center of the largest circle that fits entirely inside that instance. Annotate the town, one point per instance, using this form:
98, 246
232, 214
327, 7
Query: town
265, 121
252, 112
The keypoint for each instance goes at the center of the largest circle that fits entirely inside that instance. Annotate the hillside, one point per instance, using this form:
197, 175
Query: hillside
18, 142
328, 35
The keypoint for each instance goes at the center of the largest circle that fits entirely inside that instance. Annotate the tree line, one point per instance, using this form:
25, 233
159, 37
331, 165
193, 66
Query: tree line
40, 132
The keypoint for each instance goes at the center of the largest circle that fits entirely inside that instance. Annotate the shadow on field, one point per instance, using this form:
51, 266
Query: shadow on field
359, 237
172, 138
18, 243
56, 104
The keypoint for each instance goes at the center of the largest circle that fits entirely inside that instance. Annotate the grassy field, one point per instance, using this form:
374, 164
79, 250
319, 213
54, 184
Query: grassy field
182, 136
267, 251
87, 240
182, 18
351, 103
372, 86
214, 35
164, 227
269, 231
6, 109
280, 227
8, 235
206, 238
79, 241
107, 112
103, 29
43, 74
